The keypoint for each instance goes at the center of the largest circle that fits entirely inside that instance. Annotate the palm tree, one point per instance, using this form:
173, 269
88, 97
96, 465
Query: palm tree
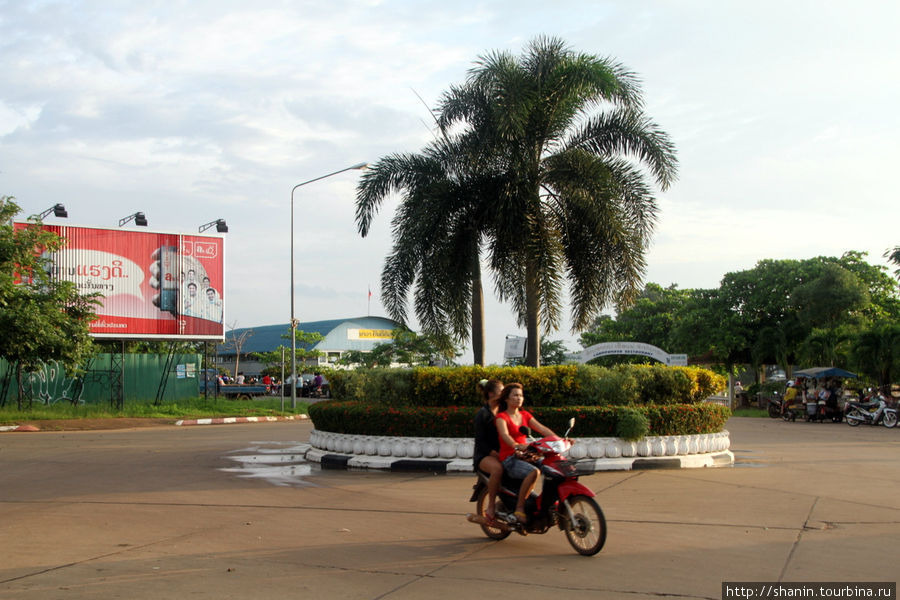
876, 351
894, 257
567, 141
437, 237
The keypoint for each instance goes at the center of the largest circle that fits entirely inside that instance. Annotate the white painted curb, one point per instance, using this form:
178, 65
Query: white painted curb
233, 420
591, 454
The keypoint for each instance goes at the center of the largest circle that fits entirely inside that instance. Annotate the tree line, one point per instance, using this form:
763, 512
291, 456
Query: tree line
822, 311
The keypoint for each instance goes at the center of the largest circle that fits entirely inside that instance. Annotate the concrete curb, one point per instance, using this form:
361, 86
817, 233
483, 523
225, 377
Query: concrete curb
233, 420
331, 460
18, 428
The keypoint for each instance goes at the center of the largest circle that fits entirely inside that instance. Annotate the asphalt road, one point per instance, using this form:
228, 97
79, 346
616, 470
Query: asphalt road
162, 513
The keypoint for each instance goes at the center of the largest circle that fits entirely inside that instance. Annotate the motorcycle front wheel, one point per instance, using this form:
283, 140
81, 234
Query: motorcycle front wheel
495, 533
774, 411
587, 532
853, 422
890, 419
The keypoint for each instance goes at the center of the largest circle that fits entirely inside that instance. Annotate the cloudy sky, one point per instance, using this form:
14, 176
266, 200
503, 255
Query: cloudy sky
785, 116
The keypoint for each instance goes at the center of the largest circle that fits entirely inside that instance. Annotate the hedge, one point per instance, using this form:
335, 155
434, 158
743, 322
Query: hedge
566, 385
367, 418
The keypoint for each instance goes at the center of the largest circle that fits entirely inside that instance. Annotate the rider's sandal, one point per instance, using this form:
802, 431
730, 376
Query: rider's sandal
521, 517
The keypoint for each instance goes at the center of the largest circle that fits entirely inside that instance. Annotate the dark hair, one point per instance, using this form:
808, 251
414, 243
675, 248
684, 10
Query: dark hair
507, 390
488, 386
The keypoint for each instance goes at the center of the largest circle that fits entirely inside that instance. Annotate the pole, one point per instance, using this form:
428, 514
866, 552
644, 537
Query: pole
293, 319
282, 379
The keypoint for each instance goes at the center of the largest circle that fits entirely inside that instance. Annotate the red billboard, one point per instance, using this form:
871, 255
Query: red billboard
154, 285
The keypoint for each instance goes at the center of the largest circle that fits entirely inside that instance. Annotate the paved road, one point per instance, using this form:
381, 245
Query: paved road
150, 513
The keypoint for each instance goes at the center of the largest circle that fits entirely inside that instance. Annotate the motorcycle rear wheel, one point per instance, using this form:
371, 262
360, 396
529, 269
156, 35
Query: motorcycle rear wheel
890, 419
587, 533
495, 533
853, 422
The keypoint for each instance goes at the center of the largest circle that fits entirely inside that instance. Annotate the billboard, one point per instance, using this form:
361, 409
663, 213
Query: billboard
153, 285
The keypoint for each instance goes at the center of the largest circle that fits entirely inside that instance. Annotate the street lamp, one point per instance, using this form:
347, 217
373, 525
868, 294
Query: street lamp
293, 319
219, 224
139, 219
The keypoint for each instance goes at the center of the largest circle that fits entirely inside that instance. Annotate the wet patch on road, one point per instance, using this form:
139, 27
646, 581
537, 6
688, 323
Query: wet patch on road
277, 463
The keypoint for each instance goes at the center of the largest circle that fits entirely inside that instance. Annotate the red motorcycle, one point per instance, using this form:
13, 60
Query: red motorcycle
563, 502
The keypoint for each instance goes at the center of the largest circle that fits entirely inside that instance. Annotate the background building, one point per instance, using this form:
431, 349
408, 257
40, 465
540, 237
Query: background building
341, 335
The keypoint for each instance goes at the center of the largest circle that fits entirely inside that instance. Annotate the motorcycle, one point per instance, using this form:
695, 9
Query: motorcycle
563, 501
873, 412
774, 407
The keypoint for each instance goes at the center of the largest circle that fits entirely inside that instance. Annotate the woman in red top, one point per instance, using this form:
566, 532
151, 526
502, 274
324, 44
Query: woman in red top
511, 439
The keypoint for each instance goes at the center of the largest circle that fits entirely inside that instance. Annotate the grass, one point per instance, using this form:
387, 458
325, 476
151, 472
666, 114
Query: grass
750, 412
192, 408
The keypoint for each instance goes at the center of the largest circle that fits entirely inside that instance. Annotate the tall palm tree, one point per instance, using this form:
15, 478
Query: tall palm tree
568, 145
437, 237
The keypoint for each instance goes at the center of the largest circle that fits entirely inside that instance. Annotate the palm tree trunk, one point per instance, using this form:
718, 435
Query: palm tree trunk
477, 318
532, 317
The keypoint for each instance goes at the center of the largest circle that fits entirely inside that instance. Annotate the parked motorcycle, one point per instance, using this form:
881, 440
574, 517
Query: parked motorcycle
873, 412
563, 501
890, 417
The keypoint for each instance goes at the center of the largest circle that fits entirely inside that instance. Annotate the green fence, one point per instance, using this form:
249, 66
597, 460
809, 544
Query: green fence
140, 378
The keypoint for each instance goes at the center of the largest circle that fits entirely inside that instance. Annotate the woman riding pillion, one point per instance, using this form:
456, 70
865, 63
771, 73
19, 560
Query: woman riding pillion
487, 443
509, 423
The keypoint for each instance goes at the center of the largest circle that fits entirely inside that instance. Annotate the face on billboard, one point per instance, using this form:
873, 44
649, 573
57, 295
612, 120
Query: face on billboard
152, 285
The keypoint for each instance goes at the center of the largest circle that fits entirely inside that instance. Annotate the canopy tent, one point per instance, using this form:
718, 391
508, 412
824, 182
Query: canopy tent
819, 372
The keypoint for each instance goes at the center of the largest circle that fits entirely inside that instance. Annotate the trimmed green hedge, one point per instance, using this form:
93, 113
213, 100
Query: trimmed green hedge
566, 385
367, 418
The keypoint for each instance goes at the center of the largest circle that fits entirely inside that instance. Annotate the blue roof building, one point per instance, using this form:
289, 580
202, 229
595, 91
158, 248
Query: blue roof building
341, 335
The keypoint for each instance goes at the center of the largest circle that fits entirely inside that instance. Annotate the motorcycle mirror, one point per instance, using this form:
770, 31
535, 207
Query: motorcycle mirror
525, 431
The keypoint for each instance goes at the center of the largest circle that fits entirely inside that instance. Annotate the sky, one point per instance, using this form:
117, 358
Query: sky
784, 116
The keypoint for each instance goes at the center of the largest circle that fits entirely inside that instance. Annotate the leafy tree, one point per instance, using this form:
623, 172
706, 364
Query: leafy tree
649, 320
564, 134
275, 360
308, 339
709, 329
42, 318
883, 290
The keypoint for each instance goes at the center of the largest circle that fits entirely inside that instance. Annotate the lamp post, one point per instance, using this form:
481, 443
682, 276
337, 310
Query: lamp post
293, 319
